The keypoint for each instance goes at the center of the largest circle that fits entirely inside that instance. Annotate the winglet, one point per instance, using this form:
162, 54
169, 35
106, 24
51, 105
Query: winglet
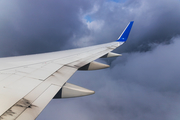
124, 36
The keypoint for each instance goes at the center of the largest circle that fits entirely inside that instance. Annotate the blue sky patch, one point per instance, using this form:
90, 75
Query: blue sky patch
117, 1
88, 18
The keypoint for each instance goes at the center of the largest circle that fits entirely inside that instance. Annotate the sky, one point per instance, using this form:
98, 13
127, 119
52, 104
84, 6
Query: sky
143, 84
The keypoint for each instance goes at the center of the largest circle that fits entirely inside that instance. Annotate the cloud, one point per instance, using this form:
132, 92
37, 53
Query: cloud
157, 68
41, 25
143, 84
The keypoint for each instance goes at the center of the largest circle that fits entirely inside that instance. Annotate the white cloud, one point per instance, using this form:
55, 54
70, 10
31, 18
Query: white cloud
95, 25
84, 41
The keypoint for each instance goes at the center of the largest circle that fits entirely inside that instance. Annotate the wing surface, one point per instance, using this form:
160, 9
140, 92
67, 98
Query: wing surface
28, 83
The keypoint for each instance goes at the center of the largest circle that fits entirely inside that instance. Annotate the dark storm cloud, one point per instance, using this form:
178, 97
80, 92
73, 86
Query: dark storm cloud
156, 21
158, 68
39, 26
56, 25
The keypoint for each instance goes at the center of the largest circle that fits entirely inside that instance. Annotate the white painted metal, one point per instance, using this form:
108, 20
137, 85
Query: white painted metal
39, 104
31, 100
37, 78
44, 71
96, 66
13, 92
58, 78
62, 57
42, 94
111, 54
70, 90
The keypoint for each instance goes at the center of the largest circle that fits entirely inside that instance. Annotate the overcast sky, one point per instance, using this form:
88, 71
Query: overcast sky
143, 84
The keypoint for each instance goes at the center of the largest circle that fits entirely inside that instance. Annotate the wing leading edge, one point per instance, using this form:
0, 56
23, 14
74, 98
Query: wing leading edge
28, 83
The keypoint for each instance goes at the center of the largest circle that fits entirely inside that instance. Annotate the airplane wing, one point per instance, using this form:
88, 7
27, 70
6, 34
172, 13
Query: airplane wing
28, 83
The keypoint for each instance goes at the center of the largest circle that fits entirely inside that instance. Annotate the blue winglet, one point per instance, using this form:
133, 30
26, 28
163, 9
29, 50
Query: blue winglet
124, 36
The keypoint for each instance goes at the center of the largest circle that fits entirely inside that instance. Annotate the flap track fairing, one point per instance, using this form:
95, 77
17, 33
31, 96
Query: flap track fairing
111, 54
70, 90
94, 66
